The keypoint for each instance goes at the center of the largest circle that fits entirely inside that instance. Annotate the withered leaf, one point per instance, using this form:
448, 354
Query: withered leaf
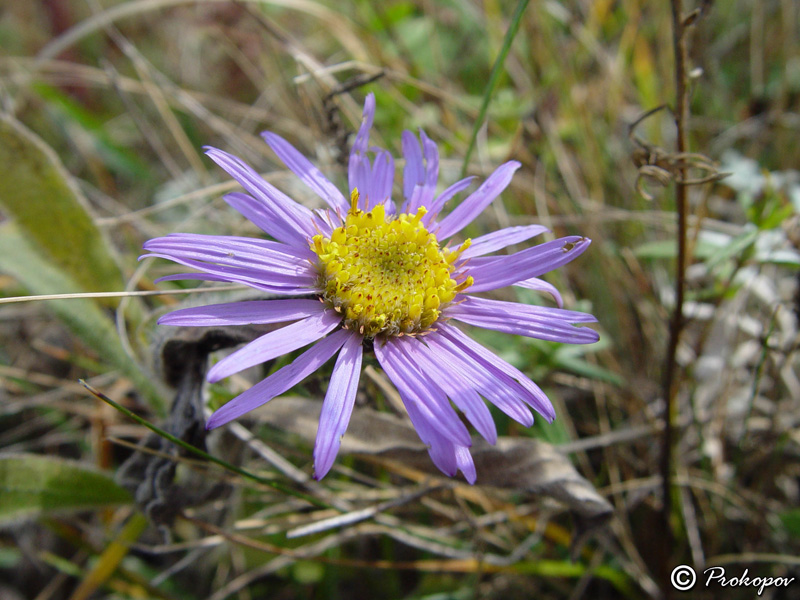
181, 356
519, 464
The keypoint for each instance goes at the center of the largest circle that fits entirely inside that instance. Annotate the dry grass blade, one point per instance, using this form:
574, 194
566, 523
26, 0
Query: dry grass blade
518, 464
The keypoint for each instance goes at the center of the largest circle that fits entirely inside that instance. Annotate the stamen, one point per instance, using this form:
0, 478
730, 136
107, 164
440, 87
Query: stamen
386, 276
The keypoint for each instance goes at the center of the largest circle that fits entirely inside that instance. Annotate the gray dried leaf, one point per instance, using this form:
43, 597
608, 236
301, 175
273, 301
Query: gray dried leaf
149, 474
519, 464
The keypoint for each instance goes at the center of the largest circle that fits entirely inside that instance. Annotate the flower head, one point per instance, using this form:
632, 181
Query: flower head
384, 274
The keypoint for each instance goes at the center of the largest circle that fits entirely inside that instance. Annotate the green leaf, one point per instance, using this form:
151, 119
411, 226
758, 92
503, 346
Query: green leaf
656, 249
73, 114
10, 558
791, 521
777, 214
661, 249
569, 569
307, 572
733, 248
51, 210
591, 371
84, 317
31, 484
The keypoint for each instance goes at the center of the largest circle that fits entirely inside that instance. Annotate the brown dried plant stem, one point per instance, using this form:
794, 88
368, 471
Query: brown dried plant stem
679, 26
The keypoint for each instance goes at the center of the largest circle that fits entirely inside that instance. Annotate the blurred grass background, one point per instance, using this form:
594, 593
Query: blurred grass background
127, 93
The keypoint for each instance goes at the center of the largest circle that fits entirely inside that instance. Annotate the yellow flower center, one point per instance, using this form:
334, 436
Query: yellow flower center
386, 275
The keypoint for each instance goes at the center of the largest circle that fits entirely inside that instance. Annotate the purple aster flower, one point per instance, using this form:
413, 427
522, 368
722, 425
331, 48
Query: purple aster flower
381, 274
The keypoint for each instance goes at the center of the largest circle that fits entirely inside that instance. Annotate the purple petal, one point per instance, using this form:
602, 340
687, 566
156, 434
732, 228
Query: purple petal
431, 151
419, 182
286, 210
279, 275
495, 365
435, 406
381, 179
338, 405
361, 142
276, 343
361, 178
438, 204
507, 270
540, 285
486, 306
552, 324
413, 171
192, 277
359, 171
430, 404
266, 218
503, 392
564, 334
502, 238
244, 313
281, 380
465, 464
235, 252
306, 171
277, 283
437, 374
440, 449
374, 183
474, 204
270, 289
447, 455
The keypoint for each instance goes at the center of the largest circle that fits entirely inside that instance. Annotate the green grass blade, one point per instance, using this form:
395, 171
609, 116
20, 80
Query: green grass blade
494, 77
202, 454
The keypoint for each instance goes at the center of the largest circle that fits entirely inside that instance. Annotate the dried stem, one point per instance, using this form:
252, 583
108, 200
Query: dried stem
676, 325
